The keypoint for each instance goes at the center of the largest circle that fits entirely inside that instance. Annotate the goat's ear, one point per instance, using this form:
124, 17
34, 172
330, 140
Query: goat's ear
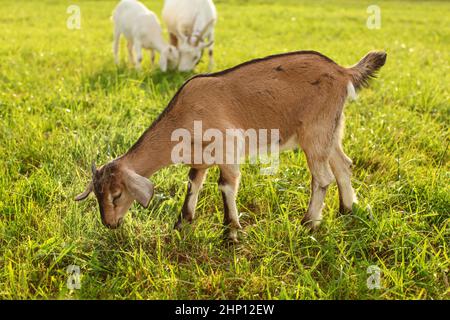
85, 193
139, 187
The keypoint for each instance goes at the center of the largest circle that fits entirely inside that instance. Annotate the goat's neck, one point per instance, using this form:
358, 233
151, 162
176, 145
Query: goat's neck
160, 45
152, 151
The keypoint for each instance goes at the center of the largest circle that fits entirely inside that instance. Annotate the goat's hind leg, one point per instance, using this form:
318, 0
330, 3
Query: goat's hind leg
341, 167
317, 152
321, 178
196, 179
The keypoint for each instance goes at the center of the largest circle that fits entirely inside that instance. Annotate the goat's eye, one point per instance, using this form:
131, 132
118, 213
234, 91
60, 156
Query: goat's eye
116, 198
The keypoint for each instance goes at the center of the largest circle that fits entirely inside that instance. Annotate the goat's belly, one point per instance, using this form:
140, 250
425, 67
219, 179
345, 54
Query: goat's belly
289, 144
255, 145
128, 34
232, 146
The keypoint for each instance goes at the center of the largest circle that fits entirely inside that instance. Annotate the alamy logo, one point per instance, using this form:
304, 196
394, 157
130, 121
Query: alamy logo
374, 20
74, 20
73, 280
214, 146
374, 280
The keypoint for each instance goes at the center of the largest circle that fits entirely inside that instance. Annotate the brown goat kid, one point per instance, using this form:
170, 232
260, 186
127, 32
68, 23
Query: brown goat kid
302, 94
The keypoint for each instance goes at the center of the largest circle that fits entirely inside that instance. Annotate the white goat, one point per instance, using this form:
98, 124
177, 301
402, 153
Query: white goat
141, 28
190, 24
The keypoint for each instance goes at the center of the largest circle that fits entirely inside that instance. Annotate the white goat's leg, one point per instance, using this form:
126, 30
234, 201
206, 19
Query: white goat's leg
116, 45
152, 56
228, 185
196, 178
341, 167
130, 51
138, 51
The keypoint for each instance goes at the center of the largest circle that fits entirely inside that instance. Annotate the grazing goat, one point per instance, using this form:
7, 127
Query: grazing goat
191, 28
302, 94
142, 29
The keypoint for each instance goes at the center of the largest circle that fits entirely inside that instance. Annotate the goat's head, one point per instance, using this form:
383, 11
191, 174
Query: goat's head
169, 58
191, 48
116, 187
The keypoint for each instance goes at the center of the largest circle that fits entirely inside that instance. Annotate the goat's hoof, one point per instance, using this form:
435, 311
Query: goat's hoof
237, 226
343, 210
309, 223
177, 225
231, 236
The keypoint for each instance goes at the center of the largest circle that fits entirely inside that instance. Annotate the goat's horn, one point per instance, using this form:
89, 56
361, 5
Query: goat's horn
202, 33
93, 168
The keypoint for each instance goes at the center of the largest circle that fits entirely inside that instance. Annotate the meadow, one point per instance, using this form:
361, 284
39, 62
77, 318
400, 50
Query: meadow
63, 104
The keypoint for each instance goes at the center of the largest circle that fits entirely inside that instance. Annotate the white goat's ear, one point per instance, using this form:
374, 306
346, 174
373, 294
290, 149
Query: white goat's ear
85, 193
139, 187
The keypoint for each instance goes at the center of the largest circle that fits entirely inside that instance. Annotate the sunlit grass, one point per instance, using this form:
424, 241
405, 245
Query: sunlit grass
63, 103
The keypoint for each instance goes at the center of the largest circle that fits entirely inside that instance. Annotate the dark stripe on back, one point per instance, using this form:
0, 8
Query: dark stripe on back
303, 52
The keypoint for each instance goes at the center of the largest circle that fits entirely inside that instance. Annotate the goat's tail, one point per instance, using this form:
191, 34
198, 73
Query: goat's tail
366, 68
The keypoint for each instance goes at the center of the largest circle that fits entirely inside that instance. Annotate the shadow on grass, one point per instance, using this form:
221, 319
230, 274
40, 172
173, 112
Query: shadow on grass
113, 78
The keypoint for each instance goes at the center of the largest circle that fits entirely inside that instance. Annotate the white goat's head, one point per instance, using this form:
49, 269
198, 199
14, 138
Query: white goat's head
169, 58
191, 48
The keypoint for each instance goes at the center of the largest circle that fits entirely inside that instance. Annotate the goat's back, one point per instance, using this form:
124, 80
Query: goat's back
284, 91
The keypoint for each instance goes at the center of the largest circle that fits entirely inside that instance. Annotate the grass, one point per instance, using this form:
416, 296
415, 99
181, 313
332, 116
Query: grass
63, 103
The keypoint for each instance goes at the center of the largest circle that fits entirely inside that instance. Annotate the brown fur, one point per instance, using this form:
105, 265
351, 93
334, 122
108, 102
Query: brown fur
300, 93
173, 40
367, 68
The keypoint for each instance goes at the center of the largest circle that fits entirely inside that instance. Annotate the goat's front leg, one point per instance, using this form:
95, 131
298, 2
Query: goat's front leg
228, 185
138, 50
196, 178
152, 56
130, 51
